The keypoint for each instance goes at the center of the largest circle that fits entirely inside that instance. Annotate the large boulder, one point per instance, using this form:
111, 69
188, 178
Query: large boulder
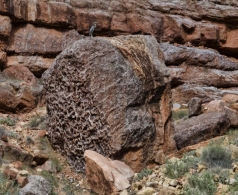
106, 176
200, 128
110, 95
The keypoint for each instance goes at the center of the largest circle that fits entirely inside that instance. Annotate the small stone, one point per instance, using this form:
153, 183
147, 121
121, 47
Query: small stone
4, 138
152, 184
23, 172
199, 152
173, 159
232, 181
173, 183
223, 187
12, 174
49, 166
36, 151
166, 183
124, 192
39, 170
146, 191
161, 183
42, 133
34, 164
18, 129
201, 168
156, 167
17, 164
152, 176
22, 181
226, 141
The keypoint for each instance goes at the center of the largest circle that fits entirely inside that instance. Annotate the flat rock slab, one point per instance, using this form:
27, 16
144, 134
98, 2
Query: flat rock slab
200, 128
106, 176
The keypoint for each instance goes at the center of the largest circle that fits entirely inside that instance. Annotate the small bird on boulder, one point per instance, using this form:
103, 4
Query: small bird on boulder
92, 29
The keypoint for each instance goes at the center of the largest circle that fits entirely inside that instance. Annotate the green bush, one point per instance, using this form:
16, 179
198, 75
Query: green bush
180, 114
51, 178
7, 187
216, 156
233, 188
37, 121
143, 173
7, 121
202, 184
176, 169
233, 136
224, 174
56, 162
29, 140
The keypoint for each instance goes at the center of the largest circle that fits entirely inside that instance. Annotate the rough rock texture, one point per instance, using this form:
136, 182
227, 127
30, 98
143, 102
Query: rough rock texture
194, 107
33, 32
37, 185
110, 95
200, 128
106, 176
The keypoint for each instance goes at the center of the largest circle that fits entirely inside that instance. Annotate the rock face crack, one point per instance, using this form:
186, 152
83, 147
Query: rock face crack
103, 94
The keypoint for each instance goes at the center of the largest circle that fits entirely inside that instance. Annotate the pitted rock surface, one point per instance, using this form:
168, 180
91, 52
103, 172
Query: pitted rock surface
110, 95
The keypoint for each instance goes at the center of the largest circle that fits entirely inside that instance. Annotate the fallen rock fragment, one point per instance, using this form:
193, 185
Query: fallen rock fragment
222, 106
22, 181
49, 166
200, 128
11, 173
106, 176
194, 107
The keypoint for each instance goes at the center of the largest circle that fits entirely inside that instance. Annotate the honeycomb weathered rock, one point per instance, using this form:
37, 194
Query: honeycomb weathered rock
110, 95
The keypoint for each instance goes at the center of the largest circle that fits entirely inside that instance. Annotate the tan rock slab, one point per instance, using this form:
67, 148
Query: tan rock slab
106, 176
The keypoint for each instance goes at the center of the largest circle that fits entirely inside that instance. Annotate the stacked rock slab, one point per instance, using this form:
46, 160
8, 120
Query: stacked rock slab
110, 95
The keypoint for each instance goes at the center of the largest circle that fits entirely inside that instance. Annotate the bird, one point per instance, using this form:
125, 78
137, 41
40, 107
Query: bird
92, 29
